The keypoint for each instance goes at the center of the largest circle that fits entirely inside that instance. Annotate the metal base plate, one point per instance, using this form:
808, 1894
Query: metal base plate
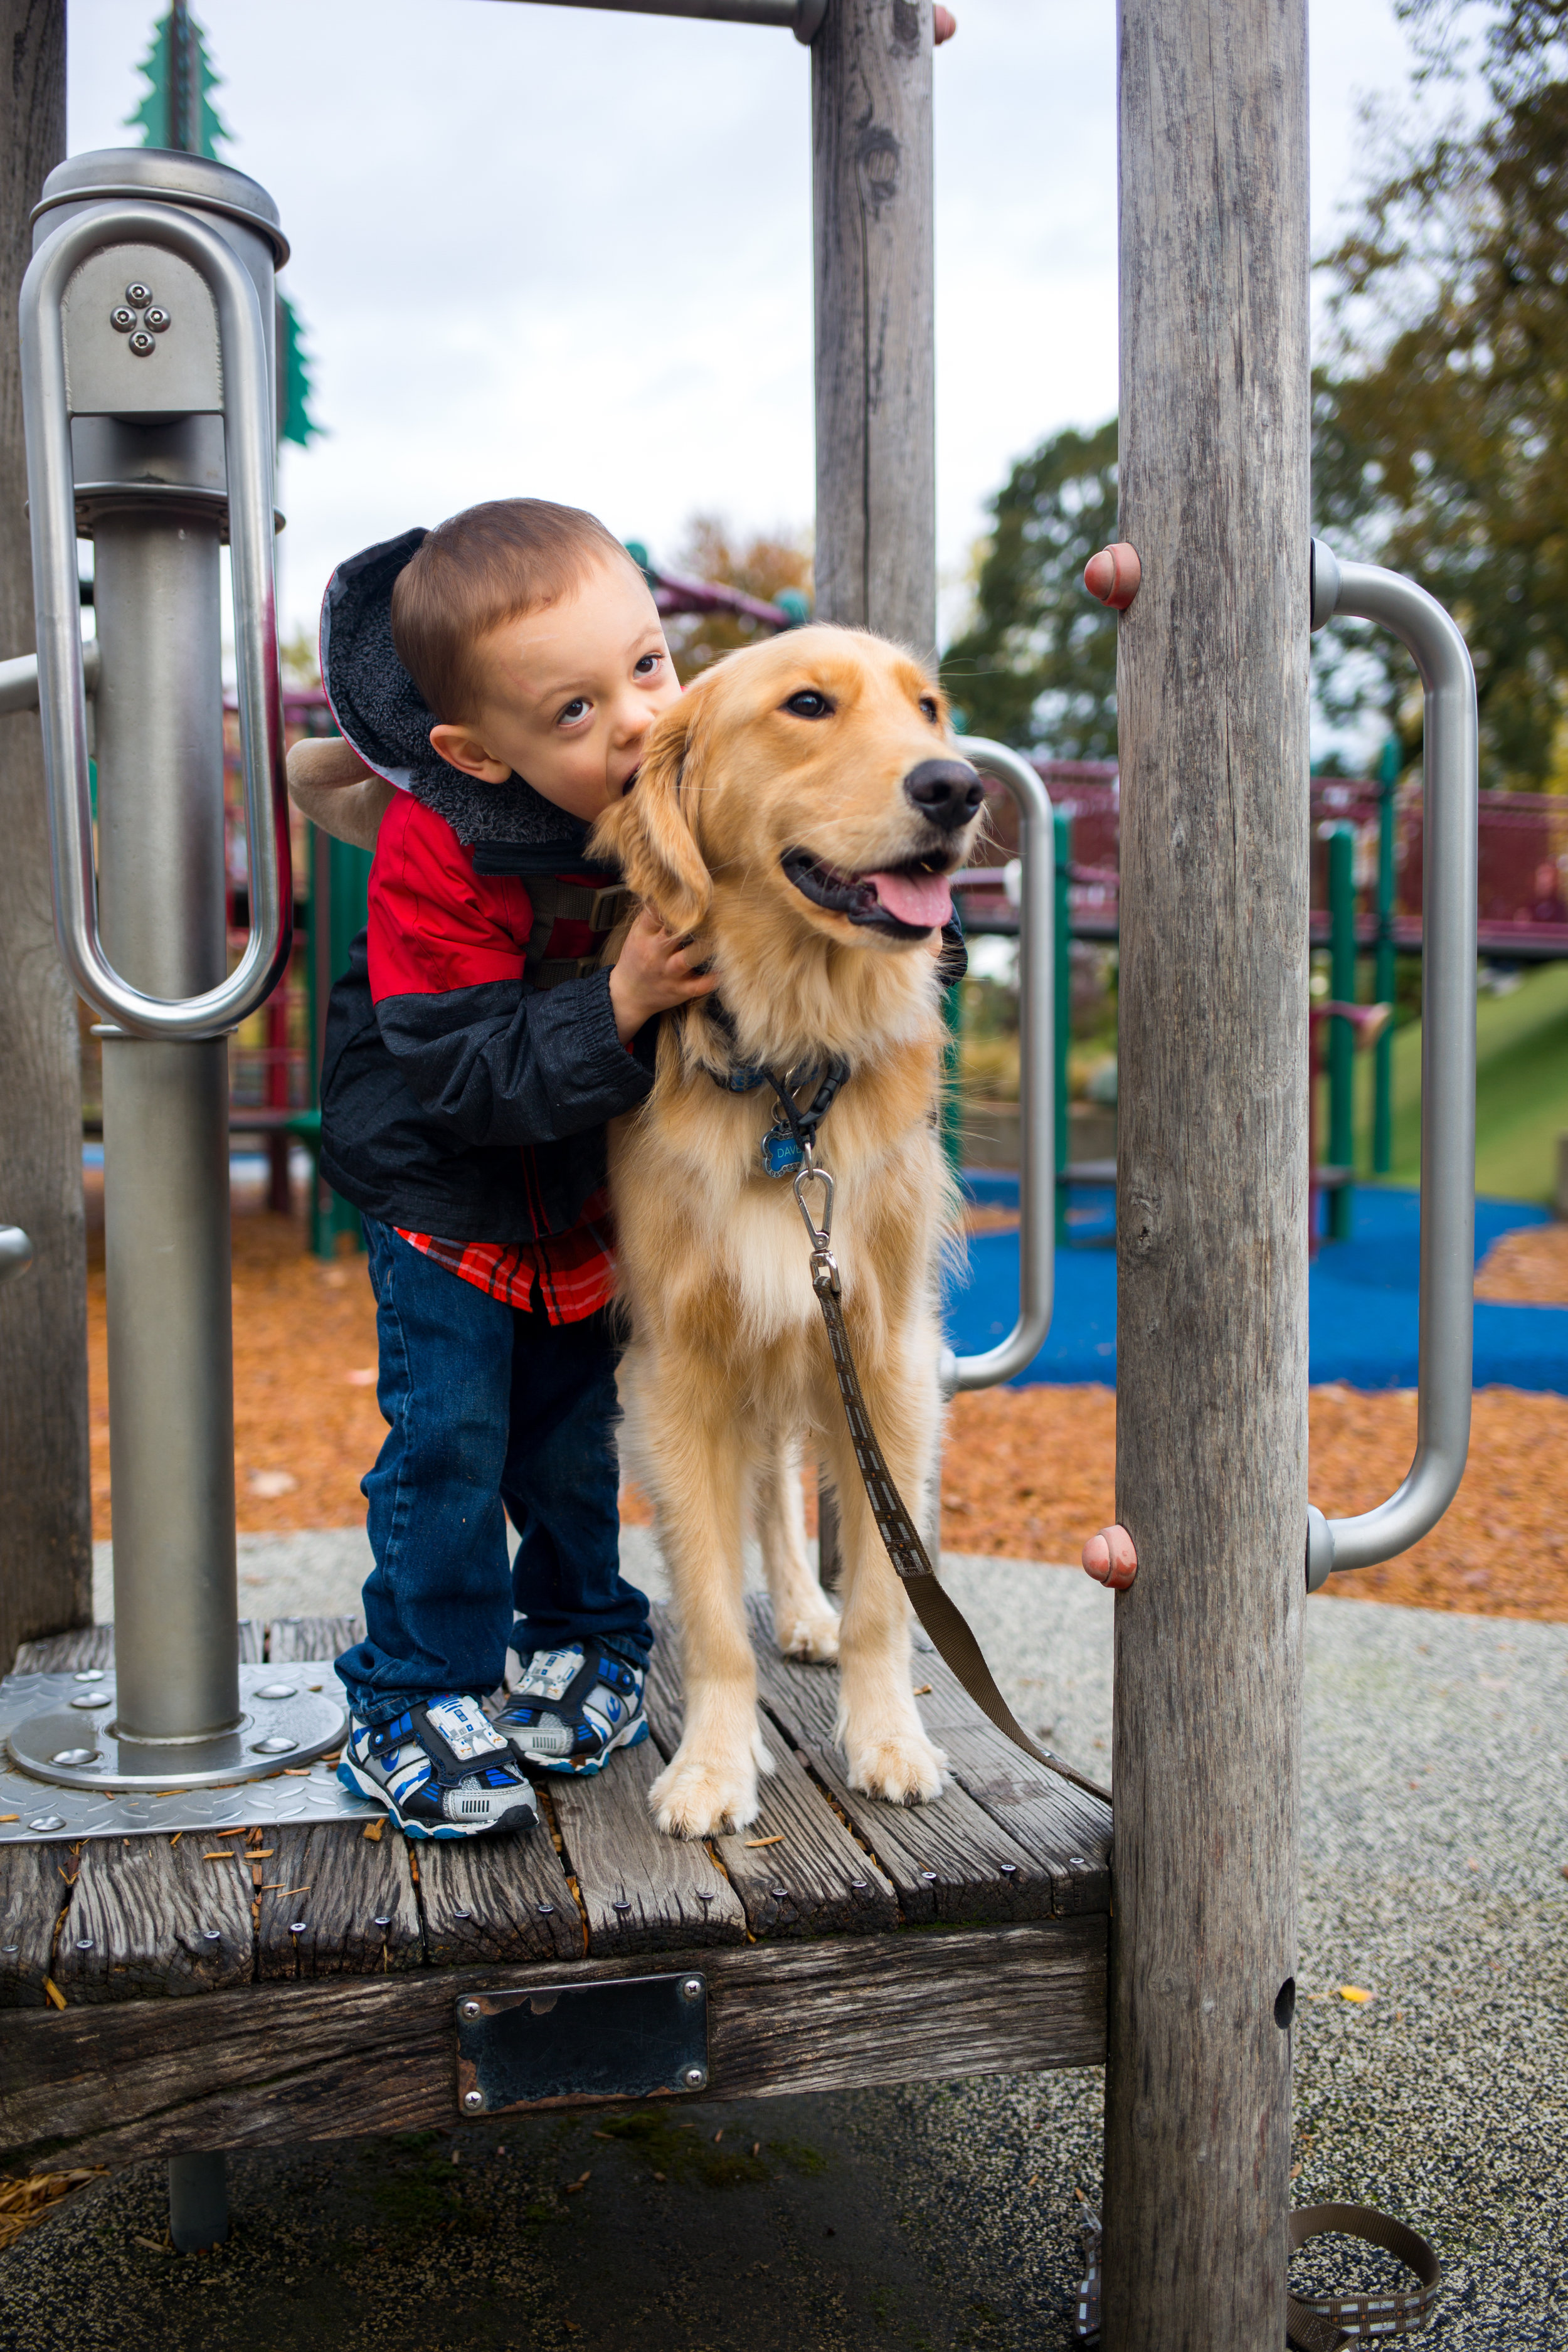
554, 2045
111, 1788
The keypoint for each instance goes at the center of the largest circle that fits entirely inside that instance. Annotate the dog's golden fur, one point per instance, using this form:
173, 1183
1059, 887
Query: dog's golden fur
727, 1373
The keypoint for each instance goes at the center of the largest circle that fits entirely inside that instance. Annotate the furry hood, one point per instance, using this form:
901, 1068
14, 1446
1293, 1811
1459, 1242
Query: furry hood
383, 714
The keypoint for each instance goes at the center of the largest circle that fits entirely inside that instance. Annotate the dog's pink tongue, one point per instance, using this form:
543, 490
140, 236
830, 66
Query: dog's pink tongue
923, 900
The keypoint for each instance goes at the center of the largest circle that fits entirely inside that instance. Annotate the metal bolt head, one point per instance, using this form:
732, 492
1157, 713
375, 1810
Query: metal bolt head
275, 1690
89, 1674
690, 1988
85, 1699
694, 2077
296, 1927
142, 345
276, 1743
470, 2008
1076, 1862
473, 2101
73, 1755
121, 320
136, 294
212, 1935
47, 1822
157, 319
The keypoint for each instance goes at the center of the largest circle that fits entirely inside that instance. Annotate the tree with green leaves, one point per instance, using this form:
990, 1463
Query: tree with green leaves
1441, 416
178, 112
1036, 667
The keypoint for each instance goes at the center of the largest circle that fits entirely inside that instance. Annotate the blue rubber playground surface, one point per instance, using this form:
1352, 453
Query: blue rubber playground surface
1362, 1297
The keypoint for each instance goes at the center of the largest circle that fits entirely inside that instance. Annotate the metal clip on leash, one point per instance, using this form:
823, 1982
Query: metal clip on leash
823, 1265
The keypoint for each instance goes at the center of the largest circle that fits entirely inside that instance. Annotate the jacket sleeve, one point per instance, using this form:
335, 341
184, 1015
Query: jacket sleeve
498, 1062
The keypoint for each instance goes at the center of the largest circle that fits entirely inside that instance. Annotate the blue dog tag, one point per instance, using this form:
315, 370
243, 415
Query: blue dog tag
782, 1155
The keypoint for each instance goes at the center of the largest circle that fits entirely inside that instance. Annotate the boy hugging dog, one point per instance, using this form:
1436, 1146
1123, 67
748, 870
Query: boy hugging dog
475, 1050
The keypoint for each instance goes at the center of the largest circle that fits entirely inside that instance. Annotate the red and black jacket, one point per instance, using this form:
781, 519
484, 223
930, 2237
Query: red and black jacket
472, 1059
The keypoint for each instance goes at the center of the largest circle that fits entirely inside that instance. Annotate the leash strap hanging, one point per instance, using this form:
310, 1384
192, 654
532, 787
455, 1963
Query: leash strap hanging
938, 1612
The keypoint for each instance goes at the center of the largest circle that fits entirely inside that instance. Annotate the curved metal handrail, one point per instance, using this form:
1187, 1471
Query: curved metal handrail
247, 441
1037, 1090
1364, 591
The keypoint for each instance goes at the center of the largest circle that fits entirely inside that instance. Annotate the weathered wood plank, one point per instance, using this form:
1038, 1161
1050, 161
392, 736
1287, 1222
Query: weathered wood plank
294, 1639
642, 1892
148, 1917
32, 1896
93, 1646
334, 2056
352, 1897
816, 1881
948, 1860
1068, 1832
497, 1898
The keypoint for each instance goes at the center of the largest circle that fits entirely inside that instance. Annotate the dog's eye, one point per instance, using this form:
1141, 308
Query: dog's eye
928, 707
809, 704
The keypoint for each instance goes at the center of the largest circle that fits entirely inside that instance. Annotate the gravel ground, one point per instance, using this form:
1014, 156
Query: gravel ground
1435, 1852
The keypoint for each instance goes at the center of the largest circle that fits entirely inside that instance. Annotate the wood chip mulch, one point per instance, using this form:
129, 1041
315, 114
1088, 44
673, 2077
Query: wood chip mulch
1028, 1473
1528, 1267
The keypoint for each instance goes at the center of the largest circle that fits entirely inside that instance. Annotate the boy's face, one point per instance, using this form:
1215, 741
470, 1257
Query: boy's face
569, 694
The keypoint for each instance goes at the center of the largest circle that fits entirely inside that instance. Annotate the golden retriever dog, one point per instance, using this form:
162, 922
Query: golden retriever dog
798, 814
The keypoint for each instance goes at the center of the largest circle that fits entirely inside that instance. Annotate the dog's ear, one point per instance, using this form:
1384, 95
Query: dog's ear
651, 833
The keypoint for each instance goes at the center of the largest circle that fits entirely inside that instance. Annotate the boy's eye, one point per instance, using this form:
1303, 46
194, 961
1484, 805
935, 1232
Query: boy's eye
648, 664
574, 710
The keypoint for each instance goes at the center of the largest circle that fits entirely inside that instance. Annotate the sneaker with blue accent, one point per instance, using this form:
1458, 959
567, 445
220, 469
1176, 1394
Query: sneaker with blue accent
441, 1770
568, 1709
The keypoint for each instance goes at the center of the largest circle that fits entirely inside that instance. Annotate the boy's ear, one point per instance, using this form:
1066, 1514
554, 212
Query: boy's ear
651, 831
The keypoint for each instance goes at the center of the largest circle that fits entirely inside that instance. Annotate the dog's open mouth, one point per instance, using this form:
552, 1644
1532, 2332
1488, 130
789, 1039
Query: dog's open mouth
906, 900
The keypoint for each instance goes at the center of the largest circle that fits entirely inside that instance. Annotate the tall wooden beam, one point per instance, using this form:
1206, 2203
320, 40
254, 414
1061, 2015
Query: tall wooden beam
1211, 1192
876, 407
45, 1527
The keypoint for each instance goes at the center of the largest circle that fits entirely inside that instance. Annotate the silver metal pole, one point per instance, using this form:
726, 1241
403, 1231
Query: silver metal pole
165, 1127
1366, 591
1036, 1092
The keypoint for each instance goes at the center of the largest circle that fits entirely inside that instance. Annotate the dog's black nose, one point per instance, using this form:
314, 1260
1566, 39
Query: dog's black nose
946, 790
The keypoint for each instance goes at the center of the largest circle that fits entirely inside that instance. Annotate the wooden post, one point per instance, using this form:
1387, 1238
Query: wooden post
1211, 1192
871, 205
46, 1522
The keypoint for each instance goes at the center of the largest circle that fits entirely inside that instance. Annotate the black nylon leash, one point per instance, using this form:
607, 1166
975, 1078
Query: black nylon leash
938, 1612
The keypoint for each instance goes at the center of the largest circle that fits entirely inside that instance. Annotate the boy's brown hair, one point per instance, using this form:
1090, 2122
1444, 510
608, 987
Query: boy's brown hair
478, 570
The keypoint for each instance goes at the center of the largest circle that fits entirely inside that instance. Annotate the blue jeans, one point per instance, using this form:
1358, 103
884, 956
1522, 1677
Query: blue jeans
492, 1412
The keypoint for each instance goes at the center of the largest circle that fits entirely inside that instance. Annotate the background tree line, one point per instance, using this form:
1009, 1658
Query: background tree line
1440, 434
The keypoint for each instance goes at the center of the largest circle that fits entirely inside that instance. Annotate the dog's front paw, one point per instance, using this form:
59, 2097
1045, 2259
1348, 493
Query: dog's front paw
811, 1635
704, 1796
901, 1767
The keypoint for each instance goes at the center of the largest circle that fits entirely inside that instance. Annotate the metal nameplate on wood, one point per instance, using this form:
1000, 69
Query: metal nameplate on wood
554, 2045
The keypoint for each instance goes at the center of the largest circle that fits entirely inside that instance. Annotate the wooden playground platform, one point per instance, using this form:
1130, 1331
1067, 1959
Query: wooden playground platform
308, 1989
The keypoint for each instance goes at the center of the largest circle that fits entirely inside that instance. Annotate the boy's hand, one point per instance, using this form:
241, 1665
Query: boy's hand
653, 971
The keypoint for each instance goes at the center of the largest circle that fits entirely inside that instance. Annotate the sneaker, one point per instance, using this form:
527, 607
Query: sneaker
568, 1709
440, 1770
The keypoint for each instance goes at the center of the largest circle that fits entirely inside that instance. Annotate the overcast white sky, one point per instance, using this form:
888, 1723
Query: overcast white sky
543, 249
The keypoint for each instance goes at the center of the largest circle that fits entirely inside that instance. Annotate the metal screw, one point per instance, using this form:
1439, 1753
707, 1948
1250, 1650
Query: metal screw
622, 1907
275, 1690
157, 319
544, 1909
47, 1822
89, 1674
858, 1884
142, 345
92, 1698
779, 1893
73, 1755
212, 1935
296, 1927
1076, 1862
1009, 1869
930, 1877
694, 2077
691, 1988
136, 294
473, 2100
121, 320
704, 1894
84, 1943
458, 1911
381, 1919
8, 1948
470, 2008
276, 1743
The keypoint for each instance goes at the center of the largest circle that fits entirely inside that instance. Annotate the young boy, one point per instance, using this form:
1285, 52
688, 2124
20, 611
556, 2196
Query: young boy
474, 1051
